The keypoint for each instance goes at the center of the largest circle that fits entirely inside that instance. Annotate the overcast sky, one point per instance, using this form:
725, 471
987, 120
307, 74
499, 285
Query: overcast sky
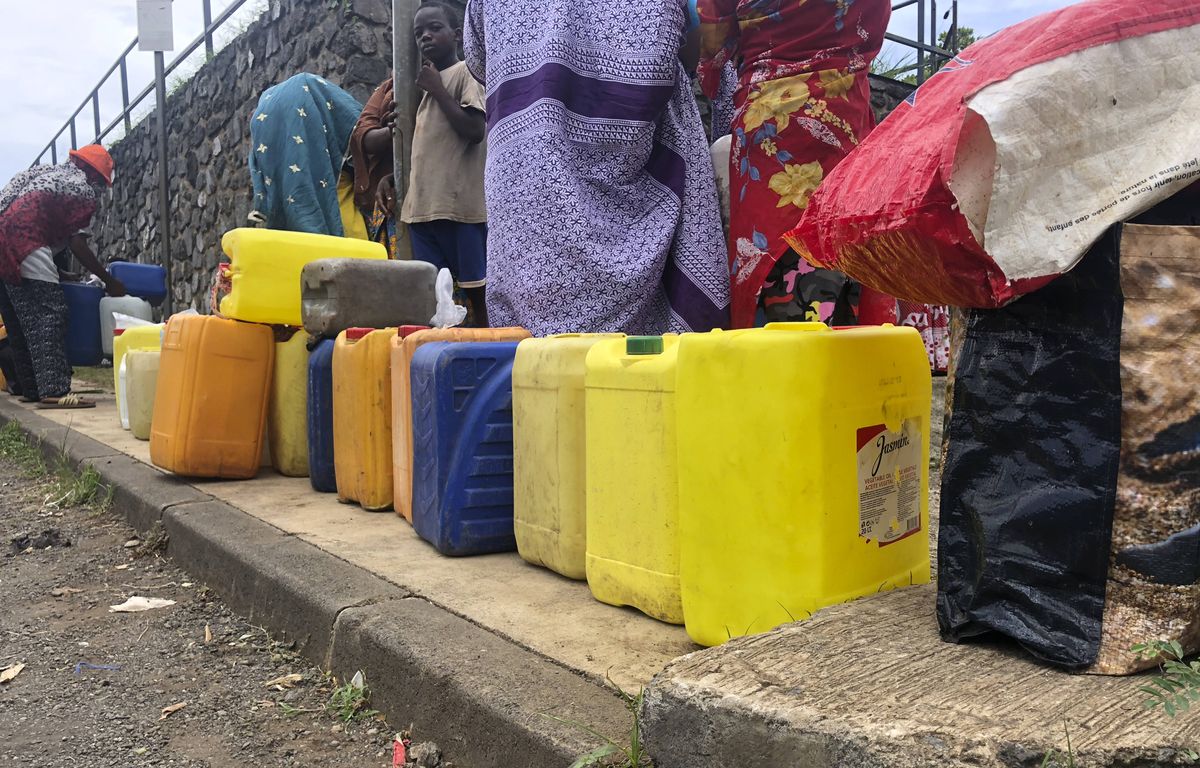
52, 52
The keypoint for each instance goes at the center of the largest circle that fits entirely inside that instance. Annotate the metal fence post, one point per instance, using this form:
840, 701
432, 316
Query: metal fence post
921, 40
96, 113
125, 96
208, 38
404, 77
164, 203
74, 144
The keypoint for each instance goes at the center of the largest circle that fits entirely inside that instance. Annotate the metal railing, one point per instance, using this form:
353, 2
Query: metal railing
128, 105
937, 55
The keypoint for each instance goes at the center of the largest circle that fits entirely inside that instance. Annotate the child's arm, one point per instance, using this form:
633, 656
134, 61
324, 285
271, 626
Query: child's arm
467, 123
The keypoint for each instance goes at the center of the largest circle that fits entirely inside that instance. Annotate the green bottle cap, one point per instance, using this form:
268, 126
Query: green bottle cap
644, 345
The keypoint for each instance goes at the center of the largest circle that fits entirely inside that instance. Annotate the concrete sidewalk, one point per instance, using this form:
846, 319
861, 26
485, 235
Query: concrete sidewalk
477, 651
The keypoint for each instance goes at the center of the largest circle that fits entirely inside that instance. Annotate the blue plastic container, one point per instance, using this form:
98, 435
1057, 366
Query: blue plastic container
83, 323
146, 281
462, 446
320, 418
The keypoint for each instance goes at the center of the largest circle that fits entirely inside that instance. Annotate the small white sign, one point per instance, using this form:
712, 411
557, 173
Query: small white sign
155, 28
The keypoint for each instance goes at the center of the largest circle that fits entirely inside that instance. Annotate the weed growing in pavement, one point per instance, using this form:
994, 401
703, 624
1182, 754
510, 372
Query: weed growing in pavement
610, 753
73, 488
352, 701
155, 540
17, 448
1055, 759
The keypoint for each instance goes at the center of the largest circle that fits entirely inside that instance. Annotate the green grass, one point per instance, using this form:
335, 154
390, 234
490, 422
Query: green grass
69, 485
624, 755
95, 377
351, 701
16, 448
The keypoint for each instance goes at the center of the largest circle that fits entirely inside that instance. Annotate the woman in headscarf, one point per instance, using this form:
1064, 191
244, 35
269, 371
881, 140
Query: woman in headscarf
43, 210
298, 140
803, 103
602, 207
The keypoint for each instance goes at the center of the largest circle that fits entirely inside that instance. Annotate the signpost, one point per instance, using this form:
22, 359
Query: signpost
156, 33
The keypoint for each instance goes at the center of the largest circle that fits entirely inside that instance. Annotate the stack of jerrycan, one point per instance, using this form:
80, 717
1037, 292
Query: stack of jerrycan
352, 296
402, 350
125, 340
266, 268
803, 472
462, 489
210, 409
549, 450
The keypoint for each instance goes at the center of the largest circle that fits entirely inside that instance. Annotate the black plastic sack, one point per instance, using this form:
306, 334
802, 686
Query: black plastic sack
1028, 484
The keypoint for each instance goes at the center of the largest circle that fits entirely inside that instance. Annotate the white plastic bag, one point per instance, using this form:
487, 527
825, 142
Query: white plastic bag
448, 313
128, 321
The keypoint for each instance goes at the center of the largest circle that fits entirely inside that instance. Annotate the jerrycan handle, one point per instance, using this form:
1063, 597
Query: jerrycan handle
354, 334
808, 327
643, 345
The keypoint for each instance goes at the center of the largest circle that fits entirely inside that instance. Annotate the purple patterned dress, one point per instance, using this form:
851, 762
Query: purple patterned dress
602, 206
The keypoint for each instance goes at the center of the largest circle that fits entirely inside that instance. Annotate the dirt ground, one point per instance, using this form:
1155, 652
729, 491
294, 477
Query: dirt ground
96, 684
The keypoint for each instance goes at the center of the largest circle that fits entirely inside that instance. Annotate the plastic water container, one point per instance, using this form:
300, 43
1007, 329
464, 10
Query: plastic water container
125, 305
362, 424
265, 269
210, 410
287, 416
462, 457
632, 483
124, 340
145, 281
83, 344
141, 384
549, 470
803, 472
321, 471
337, 294
404, 346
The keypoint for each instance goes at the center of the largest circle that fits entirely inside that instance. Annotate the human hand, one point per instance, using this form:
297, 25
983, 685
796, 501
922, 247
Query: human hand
429, 79
114, 287
388, 119
385, 194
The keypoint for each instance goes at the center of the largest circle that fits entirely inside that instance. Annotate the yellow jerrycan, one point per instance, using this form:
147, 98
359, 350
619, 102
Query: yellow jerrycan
803, 472
287, 418
632, 483
137, 337
265, 269
362, 417
549, 491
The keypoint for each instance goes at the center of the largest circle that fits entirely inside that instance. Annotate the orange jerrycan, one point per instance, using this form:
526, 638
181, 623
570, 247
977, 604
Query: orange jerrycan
632, 483
210, 408
549, 467
362, 417
402, 349
803, 472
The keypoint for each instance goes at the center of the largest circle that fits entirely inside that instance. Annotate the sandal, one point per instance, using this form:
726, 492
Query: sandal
69, 401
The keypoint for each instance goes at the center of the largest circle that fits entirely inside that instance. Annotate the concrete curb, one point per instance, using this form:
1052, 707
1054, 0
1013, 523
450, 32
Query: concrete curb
481, 696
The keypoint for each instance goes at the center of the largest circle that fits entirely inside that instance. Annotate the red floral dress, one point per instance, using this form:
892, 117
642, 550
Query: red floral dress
803, 103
